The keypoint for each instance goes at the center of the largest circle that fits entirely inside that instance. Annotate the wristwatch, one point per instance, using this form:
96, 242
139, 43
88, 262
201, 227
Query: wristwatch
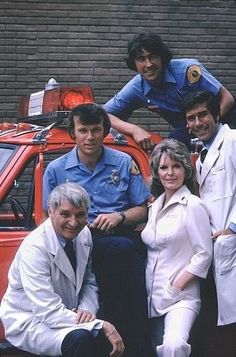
123, 216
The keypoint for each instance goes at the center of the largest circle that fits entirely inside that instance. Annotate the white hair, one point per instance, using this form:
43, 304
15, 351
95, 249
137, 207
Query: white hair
71, 192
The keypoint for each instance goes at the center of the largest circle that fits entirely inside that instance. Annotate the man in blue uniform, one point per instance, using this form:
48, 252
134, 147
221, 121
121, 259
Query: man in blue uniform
118, 202
160, 85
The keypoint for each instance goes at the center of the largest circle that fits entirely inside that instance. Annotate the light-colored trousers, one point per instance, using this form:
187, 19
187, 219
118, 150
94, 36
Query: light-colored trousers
170, 333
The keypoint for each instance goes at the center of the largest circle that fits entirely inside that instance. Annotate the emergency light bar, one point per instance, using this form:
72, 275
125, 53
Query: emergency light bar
51, 103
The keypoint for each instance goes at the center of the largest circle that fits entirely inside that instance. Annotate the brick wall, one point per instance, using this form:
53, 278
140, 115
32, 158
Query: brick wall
65, 39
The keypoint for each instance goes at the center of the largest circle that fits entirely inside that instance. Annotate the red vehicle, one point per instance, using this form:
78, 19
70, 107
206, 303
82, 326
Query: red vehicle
25, 150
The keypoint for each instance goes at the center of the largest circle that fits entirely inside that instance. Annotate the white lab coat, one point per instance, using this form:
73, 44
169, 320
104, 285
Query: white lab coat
177, 239
217, 188
36, 309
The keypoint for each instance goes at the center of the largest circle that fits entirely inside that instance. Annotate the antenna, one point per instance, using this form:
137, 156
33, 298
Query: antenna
93, 74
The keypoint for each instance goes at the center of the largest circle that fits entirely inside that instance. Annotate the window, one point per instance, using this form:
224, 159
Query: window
17, 209
5, 154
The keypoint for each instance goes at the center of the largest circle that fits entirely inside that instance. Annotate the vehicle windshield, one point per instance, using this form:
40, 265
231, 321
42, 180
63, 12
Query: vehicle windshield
6, 152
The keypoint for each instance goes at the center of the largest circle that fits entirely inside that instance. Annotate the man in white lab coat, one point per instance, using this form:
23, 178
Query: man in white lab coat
49, 307
216, 175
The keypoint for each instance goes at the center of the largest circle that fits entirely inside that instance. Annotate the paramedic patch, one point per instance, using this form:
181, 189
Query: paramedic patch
194, 73
134, 168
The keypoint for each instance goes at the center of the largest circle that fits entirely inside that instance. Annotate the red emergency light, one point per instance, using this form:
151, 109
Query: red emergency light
53, 100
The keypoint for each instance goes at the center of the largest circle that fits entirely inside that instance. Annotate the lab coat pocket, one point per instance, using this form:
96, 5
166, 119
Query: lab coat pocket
170, 296
221, 183
225, 253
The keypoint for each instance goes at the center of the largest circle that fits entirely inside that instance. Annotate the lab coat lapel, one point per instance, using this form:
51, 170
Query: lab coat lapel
153, 212
180, 196
157, 211
82, 256
55, 248
63, 264
210, 160
212, 155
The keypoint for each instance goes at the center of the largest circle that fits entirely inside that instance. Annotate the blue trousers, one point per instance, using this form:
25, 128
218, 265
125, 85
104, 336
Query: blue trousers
119, 267
80, 343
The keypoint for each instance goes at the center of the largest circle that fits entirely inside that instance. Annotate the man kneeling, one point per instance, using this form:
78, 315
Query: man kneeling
51, 300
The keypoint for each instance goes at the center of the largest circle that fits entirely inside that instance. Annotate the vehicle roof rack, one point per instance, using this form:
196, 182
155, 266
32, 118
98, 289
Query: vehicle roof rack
45, 119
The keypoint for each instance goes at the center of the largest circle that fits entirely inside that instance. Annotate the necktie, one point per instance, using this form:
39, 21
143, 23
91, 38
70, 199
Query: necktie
203, 155
70, 252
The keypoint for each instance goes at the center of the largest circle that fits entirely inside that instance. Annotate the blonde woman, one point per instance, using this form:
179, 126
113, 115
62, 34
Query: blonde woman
178, 240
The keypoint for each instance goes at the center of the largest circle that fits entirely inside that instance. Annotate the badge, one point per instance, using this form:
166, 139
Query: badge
115, 178
134, 168
194, 73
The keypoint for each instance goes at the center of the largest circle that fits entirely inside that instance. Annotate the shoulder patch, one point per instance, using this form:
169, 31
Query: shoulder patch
194, 73
134, 168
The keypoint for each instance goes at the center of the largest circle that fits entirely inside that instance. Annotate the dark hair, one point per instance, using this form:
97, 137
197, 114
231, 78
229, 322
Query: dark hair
150, 42
89, 113
177, 151
199, 97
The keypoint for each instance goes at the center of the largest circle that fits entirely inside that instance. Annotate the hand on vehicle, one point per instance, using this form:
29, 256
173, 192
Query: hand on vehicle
84, 316
114, 338
106, 221
143, 138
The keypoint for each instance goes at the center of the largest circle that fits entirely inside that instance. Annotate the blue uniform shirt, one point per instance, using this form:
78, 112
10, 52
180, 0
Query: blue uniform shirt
138, 93
113, 186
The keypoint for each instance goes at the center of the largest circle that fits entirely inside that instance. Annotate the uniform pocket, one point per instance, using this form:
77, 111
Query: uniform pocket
171, 295
225, 253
